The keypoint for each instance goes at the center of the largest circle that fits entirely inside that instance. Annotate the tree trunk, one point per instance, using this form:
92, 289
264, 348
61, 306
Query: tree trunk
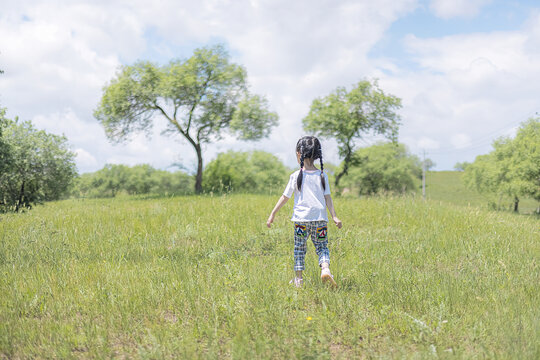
21, 198
516, 203
345, 170
340, 175
198, 178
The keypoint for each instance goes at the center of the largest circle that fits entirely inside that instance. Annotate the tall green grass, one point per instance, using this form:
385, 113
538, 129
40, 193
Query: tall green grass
202, 277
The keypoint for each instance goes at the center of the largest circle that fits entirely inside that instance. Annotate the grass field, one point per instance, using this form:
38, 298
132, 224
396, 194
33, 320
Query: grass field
202, 277
448, 186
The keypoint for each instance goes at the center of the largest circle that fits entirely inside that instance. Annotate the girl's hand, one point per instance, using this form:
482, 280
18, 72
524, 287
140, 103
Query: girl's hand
282, 200
270, 220
337, 222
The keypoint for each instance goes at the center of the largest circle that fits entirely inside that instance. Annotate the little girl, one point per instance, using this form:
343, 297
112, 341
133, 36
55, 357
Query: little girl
311, 198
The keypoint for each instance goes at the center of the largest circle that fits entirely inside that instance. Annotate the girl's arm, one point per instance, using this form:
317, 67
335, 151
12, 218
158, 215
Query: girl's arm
282, 200
330, 206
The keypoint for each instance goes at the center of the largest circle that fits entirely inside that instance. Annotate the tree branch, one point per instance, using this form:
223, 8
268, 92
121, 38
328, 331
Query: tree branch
203, 90
175, 110
191, 114
199, 132
171, 120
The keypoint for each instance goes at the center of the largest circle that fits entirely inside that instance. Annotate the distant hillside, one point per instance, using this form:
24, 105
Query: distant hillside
448, 186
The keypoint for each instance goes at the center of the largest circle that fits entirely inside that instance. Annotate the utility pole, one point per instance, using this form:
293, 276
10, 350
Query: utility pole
424, 176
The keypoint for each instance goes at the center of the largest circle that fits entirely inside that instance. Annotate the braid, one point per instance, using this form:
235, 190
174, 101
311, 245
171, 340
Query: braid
299, 178
309, 147
322, 172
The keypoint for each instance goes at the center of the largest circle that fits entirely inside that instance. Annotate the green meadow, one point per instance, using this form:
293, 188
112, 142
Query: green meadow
202, 277
448, 187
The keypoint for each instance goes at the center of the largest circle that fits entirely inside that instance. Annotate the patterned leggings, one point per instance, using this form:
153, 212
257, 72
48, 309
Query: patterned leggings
319, 235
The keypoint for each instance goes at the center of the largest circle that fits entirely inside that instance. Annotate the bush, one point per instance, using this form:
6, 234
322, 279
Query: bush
382, 168
512, 169
35, 166
136, 180
250, 172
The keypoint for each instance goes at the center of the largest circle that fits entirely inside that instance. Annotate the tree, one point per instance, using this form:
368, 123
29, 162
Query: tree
200, 98
348, 116
512, 168
491, 174
5, 153
461, 166
111, 179
254, 172
483, 175
41, 166
525, 155
429, 164
384, 167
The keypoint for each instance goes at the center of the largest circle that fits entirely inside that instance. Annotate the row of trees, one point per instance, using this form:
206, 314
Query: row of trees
250, 172
34, 166
139, 179
381, 168
513, 167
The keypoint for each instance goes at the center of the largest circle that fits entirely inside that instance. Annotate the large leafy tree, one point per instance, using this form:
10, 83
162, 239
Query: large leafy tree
512, 168
348, 116
41, 166
201, 98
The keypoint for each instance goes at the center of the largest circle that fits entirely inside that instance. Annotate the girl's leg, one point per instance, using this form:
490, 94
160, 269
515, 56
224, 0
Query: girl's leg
320, 241
319, 236
300, 237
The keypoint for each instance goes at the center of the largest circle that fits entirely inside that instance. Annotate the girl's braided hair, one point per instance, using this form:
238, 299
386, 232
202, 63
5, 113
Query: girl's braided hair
309, 147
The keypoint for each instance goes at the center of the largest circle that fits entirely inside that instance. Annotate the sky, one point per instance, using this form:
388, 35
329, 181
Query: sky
467, 71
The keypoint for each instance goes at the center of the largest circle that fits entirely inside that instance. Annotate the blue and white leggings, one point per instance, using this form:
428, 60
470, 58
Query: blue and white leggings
319, 235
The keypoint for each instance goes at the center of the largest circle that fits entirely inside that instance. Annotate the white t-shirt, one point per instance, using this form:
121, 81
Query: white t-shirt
309, 202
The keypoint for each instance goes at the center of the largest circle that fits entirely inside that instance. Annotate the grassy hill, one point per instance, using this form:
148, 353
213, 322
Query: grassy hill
202, 277
448, 186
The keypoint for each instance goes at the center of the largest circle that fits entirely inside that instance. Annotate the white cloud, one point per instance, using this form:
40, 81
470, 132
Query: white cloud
470, 89
94, 151
460, 141
427, 143
532, 28
498, 50
457, 8
84, 159
57, 55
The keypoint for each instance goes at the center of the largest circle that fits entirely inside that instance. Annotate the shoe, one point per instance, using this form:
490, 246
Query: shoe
327, 277
298, 282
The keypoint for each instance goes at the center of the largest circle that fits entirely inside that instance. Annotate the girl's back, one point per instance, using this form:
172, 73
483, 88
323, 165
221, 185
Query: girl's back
309, 202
